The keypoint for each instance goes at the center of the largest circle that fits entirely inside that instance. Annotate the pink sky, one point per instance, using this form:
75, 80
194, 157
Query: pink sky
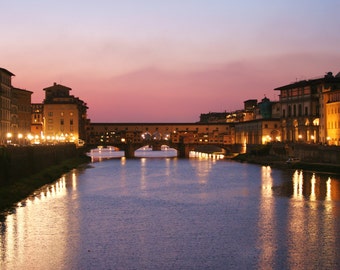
167, 61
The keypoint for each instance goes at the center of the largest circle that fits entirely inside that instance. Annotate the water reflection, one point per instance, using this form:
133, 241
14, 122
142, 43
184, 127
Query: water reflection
306, 223
306, 226
19, 237
170, 213
267, 221
308, 186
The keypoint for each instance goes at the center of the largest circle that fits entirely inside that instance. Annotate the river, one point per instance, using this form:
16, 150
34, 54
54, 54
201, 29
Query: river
170, 213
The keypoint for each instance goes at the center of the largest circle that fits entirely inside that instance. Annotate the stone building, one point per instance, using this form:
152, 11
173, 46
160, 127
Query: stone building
5, 104
304, 109
64, 115
330, 115
262, 126
20, 114
37, 119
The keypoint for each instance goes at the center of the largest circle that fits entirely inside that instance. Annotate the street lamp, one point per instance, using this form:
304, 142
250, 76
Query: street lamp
20, 136
9, 137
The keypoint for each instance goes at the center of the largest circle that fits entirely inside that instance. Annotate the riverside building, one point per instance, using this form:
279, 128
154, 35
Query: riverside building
15, 110
5, 105
310, 110
64, 115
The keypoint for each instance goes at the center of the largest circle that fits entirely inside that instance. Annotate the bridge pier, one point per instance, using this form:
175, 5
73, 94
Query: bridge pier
129, 151
183, 150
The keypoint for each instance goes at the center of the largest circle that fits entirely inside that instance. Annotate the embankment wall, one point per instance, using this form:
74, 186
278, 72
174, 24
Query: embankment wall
312, 153
18, 162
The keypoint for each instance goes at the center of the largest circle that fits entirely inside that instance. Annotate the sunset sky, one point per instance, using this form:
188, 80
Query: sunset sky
167, 60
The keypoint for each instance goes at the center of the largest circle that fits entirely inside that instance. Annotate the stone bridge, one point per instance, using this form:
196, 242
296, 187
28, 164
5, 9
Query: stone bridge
183, 149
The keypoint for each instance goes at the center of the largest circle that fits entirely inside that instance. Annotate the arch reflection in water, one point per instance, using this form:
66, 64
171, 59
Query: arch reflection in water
147, 151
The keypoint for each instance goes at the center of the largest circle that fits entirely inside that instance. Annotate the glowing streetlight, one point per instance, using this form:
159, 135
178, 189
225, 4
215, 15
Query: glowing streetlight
328, 140
9, 137
20, 136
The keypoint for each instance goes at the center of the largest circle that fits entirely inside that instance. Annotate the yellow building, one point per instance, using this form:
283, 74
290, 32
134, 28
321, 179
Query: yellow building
61, 122
260, 131
331, 103
64, 116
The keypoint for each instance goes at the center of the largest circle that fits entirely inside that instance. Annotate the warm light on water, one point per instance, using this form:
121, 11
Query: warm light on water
194, 154
169, 213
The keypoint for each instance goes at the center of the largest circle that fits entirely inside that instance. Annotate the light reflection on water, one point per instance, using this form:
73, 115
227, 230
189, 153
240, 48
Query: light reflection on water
176, 214
35, 235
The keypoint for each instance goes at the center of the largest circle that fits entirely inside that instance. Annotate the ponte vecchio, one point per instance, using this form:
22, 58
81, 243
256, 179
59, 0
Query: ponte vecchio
182, 136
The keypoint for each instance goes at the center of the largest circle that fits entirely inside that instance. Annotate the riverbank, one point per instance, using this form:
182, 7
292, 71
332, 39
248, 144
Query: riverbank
21, 188
280, 162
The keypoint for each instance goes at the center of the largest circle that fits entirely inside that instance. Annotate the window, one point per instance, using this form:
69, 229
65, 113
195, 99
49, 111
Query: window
300, 110
61, 121
306, 111
283, 113
71, 122
50, 114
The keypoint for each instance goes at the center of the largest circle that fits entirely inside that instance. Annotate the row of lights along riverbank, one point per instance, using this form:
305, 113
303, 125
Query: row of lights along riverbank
20, 139
194, 154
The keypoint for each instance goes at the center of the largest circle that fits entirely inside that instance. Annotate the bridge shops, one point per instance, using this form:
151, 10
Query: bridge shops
184, 137
113, 133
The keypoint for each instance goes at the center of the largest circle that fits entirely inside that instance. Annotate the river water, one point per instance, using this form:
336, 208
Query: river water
170, 213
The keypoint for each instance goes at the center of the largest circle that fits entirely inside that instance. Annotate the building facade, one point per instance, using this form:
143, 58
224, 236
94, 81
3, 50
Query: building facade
5, 105
20, 114
303, 109
37, 119
330, 113
64, 115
